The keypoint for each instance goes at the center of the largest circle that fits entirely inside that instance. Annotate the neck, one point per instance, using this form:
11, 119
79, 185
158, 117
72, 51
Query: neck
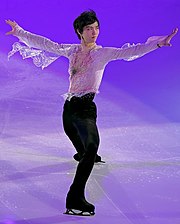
87, 46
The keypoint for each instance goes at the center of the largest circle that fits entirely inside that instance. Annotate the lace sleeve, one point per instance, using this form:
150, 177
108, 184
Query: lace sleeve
42, 50
130, 52
40, 58
40, 42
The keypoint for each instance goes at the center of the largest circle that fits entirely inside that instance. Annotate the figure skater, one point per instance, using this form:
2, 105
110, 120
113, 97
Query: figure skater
87, 62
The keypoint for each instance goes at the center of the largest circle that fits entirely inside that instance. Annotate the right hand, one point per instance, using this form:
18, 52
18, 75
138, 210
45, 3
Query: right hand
166, 42
13, 24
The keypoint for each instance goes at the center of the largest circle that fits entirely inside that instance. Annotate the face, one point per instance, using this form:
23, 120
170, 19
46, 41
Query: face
90, 33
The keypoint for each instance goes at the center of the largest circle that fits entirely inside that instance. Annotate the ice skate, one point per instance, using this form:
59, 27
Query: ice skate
76, 205
78, 157
78, 212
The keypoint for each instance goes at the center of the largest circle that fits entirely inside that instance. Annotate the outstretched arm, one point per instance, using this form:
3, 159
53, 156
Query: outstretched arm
131, 52
37, 41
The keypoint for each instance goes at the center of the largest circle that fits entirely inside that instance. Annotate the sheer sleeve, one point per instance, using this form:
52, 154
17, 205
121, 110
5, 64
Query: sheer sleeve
130, 52
42, 50
40, 42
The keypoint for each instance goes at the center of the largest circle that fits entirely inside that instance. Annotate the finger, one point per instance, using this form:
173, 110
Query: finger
9, 22
8, 33
175, 31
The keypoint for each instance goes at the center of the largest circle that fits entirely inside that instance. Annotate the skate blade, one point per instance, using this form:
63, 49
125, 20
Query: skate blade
78, 212
100, 162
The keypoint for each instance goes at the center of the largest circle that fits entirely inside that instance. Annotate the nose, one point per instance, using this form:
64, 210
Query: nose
94, 31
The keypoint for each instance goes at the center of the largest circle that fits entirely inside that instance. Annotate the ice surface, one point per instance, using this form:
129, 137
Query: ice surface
138, 184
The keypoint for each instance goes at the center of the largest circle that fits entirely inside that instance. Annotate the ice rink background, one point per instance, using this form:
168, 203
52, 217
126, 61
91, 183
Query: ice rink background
138, 118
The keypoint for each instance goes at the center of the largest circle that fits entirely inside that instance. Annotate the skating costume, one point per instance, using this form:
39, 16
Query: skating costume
79, 115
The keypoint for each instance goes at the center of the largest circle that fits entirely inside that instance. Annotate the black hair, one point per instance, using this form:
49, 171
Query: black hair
86, 18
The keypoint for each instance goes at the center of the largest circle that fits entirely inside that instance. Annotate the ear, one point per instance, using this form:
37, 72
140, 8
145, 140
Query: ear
78, 32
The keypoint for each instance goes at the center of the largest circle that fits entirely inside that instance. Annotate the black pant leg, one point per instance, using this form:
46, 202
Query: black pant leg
70, 129
89, 134
82, 117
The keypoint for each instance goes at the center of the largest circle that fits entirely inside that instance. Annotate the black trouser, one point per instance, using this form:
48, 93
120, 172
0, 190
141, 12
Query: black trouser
79, 120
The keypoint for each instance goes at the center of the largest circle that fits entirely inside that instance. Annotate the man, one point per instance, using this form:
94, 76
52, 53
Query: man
87, 62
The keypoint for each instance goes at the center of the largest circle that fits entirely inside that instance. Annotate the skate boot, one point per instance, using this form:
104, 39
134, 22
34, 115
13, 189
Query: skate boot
76, 205
98, 159
78, 157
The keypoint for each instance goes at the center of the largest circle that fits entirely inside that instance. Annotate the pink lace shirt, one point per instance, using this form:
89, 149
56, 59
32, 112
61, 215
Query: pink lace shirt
85, 68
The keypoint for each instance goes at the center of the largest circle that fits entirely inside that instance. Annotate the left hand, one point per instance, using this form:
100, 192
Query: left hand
13, 25
166, 42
